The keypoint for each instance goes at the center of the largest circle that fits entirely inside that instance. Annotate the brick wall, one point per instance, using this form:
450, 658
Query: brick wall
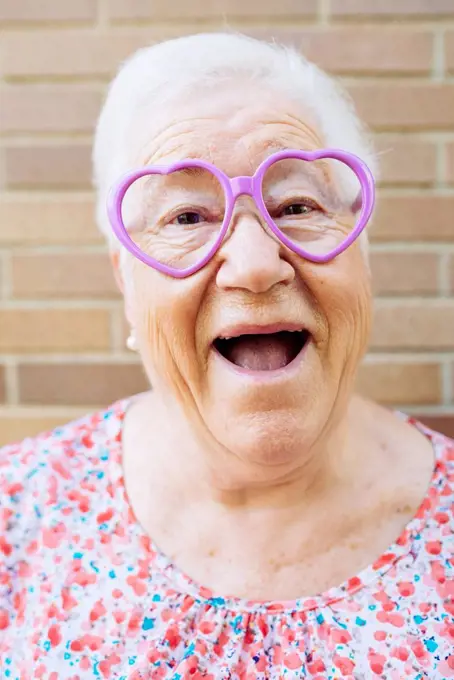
62, 334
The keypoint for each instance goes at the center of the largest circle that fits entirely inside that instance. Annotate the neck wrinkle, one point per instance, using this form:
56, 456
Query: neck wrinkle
198, 468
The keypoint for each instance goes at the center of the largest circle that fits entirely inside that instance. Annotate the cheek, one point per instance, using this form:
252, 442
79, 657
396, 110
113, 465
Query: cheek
343, 294
358, 282
144, 313
165, 312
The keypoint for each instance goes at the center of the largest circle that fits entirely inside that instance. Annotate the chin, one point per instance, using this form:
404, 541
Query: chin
267, 439
266, 418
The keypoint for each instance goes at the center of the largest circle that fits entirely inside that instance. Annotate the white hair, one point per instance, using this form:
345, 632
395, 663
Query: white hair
155, 74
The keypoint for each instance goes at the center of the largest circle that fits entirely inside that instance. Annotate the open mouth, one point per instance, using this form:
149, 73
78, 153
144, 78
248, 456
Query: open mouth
263, 352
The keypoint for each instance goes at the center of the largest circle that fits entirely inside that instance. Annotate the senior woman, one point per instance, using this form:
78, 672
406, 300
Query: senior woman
248, 517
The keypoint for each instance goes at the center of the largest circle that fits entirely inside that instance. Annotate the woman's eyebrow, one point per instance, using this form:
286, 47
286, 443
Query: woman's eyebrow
155, 182
192, 171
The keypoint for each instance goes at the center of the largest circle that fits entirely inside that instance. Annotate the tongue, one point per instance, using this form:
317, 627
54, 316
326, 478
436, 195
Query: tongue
261, 352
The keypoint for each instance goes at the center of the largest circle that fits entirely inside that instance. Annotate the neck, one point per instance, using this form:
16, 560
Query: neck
192, 466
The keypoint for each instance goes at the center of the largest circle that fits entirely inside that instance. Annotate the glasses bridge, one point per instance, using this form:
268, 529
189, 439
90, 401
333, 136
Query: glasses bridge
241, 186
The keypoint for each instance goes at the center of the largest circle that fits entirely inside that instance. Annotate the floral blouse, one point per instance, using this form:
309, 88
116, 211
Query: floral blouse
85, 594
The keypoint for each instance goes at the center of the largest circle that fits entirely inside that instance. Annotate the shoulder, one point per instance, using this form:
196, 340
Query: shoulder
400, 432
21, 461
34, 472
435, 511
443, 476
417, 439
442, 445
418, 461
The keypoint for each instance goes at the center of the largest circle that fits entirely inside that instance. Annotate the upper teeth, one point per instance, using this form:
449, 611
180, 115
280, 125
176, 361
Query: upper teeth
294, 330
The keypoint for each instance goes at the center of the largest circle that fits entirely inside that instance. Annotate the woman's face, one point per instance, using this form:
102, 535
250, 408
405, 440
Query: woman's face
247, 393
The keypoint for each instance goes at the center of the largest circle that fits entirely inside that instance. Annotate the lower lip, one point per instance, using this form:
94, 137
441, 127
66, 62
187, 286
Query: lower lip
260, 376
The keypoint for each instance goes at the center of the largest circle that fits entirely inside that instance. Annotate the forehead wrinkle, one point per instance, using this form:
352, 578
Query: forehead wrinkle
257, 133
295, 124
292, 139
233, 108
168, 142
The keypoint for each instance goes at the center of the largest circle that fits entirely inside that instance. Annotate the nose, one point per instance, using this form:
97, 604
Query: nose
251, 258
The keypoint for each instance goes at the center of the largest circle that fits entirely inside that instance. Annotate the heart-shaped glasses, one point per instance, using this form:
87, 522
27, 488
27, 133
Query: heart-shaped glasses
174, 218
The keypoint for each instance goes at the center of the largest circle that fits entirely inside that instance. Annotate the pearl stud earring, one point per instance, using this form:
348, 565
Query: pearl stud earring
131, 342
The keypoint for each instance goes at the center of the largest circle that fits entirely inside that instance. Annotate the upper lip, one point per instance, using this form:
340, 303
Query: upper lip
235, 330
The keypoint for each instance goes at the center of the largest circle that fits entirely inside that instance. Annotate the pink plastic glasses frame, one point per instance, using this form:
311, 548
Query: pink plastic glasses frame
237, 186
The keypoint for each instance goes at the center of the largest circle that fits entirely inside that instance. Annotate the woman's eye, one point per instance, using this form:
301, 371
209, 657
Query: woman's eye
189, 218
298, 209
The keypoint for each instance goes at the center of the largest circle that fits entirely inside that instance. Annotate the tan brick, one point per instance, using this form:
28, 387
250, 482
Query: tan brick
441, 423
346, 50
54, 330
450, 163
76, 52
28, 220
414, 106
49, 108
82, 53
2, 384
42, 166
12, 11
135, 10
451, 272
418, 217
406, 160
449, 51
416, 326
62, 276
79, 384
360, 9
404, 273
394, 383
18, 423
